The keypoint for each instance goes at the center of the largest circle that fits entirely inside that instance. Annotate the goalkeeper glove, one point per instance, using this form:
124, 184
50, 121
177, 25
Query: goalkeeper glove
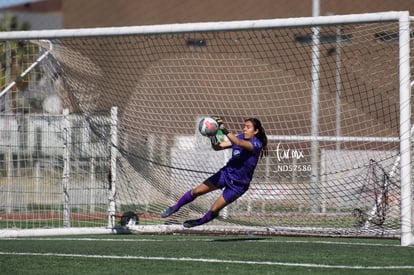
224, 130
221, 125
218, 120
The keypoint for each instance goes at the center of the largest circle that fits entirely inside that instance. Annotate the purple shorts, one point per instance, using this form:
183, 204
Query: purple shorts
232, 190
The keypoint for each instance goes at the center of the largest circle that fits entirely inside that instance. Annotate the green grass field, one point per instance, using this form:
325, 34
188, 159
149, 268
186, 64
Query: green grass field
194, 254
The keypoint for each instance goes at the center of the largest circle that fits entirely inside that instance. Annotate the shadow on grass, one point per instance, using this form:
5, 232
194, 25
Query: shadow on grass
240, 239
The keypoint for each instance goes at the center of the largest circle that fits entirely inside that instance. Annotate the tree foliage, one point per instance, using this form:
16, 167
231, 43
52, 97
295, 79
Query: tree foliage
14, 58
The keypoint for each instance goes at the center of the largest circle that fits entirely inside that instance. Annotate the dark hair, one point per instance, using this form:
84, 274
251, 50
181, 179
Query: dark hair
261, 134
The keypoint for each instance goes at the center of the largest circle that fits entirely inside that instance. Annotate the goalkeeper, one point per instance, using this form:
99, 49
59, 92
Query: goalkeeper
235, 177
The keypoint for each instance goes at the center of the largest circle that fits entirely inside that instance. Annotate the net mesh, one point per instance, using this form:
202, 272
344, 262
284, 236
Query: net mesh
163, 84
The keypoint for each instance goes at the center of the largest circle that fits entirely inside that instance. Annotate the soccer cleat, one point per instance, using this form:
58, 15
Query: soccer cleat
168, 212
191, 223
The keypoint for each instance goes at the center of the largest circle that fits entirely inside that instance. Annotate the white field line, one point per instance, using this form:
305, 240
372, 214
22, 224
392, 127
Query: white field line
251, 239
186, 259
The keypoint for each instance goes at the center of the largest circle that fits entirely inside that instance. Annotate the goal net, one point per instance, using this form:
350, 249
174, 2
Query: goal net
327, 90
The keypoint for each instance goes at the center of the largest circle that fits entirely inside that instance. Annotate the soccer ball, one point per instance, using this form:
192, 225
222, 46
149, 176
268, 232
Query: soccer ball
208, 127
129, 218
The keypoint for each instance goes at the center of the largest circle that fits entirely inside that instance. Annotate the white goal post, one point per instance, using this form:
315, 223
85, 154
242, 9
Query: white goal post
407, 236
340, 148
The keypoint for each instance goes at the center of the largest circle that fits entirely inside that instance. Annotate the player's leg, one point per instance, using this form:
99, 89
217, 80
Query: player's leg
231, 193
188, 197
213, 213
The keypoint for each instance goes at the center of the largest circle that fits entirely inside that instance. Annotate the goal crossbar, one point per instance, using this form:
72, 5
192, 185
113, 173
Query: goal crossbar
201, 27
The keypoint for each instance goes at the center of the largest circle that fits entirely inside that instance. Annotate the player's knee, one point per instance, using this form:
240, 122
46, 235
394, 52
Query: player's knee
196, 192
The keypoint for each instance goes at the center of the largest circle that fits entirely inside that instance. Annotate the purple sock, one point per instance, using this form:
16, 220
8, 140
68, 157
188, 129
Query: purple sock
208, 217
186, 198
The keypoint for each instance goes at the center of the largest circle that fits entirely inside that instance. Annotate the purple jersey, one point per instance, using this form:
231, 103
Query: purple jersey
241, 165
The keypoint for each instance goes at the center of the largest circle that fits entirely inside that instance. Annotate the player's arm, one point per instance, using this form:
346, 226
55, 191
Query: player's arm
232, 138
217, 146
245, 144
